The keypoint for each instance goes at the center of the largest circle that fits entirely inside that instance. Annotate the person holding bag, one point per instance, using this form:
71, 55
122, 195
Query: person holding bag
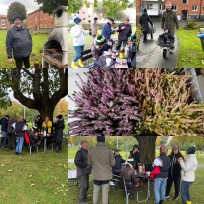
163, 163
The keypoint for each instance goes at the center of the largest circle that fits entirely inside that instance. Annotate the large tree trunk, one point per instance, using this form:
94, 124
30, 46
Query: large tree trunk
147, 146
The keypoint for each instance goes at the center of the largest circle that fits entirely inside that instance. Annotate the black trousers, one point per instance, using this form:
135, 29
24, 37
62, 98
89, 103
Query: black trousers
84, 186
145, 36
11, 140
21, 61
120, 42
59, 146
176, 180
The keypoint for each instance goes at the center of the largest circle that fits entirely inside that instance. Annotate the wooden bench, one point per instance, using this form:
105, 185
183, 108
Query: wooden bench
86, 55
72, 177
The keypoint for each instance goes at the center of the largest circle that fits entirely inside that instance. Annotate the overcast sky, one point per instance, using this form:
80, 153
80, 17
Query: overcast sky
30, 5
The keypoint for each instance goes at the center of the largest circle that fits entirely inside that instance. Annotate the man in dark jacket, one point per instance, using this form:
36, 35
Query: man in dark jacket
107, 30
135, 154
19, 44
59, 127
144, 22
163, 161
38, 122
118, 162
125, 31
4, 126
83, 170
11, 133
169, 19
174, 172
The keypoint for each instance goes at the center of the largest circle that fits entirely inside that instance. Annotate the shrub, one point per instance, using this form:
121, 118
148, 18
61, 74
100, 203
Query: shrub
191, 25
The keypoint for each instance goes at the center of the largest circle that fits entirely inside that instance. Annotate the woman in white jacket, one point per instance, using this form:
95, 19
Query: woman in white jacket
78, 33
188, 174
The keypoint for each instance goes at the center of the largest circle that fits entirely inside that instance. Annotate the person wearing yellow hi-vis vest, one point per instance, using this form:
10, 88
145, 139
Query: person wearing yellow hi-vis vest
47, 125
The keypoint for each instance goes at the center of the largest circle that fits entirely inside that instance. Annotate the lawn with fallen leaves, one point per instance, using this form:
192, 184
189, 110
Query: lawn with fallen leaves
190, 54
36, 178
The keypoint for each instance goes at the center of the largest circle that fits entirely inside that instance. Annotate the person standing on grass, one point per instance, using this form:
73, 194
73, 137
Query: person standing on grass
11, 133
20, 127
125, 31
188, 168
38, 123
174, 172
83, 170
4, 126
101, 160
47, 125
78, 33
59, 127
94, 27
135, 154
19, 44
118, 162
163, 161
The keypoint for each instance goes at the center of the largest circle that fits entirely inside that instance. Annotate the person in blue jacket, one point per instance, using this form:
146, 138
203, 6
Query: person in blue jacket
107, 31
118, 163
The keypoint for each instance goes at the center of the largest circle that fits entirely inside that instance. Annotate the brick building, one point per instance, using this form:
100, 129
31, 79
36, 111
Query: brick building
38, 20
185, 9
4, 23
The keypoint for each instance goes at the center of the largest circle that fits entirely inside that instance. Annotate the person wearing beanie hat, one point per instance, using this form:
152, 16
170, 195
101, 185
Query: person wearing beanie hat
144, 22
163, 162
107, 30
174, 172
118, 162
124, 32
108, 46
97, 46
101, 159
135, 154
59, 127
18, 44
83, 170
188, 169
78, 33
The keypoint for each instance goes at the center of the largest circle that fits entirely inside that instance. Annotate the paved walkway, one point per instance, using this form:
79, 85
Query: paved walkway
150, 55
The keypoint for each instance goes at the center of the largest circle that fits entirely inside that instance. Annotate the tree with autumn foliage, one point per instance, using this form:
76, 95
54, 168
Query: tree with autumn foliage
61, 108
143, 103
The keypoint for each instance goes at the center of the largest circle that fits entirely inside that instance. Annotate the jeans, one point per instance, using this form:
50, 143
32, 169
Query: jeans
96, 193
4, 139
185, 196
21, 61
19, 146
159, 189
78, 50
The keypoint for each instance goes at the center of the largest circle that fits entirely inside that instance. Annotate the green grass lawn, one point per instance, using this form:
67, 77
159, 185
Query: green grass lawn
88, 41
36, 178
118, 197
190, 50
38, 42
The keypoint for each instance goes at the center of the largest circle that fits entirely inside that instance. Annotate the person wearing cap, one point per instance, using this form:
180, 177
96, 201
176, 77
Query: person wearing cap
78, 33
4, 126
59, 127
169, 19
94, 27
101, 160
108, 46
107, 30
97, 46
83, 170
174, 172
135, 154
118, 162
144, 22
47, 125
19, 44
163, 161
188, 169
125, 31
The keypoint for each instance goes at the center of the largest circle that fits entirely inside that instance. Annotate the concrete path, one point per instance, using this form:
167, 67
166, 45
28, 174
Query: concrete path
150, 55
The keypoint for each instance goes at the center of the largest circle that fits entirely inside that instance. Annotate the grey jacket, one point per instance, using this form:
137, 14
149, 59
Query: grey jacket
101, 159
18, 42
10, 130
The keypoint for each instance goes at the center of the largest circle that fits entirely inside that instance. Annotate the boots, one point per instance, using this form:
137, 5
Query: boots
161, 202
74, 65
188, 202
80, 63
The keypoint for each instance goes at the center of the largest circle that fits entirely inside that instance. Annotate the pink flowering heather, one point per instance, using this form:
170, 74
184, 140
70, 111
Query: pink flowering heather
106, 104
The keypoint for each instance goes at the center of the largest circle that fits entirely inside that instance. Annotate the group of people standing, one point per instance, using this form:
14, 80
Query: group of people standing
101, 42
13, 131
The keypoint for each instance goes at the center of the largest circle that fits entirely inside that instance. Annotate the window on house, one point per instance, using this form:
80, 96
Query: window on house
174, 6
149, 6
194, 7
185, 1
